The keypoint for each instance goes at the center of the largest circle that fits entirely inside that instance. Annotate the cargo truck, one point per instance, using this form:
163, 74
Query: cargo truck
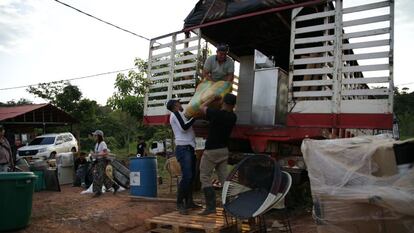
307, 69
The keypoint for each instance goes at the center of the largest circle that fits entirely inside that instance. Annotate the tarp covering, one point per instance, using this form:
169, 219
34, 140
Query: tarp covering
211, 10
356, 182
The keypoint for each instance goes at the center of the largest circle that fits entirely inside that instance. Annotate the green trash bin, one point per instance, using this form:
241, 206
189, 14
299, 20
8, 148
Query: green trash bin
16, 193
40, 181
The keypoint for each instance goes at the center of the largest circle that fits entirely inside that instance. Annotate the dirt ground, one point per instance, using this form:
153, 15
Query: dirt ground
70, 211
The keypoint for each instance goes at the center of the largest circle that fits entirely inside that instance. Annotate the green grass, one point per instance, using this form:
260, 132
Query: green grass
403, 137
123, 154
161, 170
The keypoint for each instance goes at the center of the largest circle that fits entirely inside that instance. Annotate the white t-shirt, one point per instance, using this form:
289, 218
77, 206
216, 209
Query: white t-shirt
100, 147
182, 136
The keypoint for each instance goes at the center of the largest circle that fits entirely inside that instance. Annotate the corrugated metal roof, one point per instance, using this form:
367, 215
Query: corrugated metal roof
14, 111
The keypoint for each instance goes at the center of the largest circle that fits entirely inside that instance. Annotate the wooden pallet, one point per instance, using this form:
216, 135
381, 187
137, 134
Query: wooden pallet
177, 223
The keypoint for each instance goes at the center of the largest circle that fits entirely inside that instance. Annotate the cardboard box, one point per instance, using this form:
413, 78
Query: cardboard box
354, 216
374, 226
384, 158
338, 210
352, 227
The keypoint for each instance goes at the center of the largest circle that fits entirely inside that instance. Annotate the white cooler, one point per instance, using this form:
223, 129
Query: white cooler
65, 165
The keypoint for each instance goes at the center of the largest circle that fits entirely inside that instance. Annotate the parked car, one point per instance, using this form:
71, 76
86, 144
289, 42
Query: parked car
162, 147
45, 145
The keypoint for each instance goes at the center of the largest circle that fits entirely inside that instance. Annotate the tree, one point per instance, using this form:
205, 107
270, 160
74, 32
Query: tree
69, 98
130, 91
162, 133
403, 101
126, 128
86, 113
119, 125
404, 109
63, 95
21, 101
47, 91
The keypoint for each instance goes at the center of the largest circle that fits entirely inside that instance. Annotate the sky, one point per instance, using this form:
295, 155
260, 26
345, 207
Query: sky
42, 41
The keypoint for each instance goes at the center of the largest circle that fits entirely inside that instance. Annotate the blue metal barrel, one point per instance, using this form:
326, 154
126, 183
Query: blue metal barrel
143, 176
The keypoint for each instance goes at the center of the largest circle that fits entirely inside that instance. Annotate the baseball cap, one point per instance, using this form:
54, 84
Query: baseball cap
171, 103
230, 99
222, 47
98, 132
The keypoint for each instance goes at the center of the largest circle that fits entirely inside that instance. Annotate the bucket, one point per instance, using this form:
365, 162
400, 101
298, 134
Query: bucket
143, 176
16, 195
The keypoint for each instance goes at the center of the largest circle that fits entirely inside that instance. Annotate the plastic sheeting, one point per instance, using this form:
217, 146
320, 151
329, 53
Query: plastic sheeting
356, 186
89, 190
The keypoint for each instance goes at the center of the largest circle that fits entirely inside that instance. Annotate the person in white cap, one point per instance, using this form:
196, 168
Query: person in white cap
100, 153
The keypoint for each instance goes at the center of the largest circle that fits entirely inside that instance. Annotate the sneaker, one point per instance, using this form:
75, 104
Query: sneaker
207, 212
193, 205
83, 185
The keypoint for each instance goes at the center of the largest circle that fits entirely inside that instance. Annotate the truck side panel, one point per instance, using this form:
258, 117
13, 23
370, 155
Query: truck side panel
341, 67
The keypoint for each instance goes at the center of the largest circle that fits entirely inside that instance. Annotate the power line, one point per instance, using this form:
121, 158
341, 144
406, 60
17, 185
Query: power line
70, 79
103, 21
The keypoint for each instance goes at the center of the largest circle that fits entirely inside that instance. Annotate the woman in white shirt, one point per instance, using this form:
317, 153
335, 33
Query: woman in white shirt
100, 154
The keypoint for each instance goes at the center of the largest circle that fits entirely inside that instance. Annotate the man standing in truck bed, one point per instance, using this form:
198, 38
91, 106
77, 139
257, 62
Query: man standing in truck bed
220, 66
216, 152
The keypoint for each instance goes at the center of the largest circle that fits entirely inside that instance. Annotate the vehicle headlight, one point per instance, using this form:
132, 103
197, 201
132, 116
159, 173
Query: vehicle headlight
42, 150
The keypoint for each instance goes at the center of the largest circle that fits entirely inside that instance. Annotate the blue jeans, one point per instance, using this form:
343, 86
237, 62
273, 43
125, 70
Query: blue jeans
187, 159
81, 174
